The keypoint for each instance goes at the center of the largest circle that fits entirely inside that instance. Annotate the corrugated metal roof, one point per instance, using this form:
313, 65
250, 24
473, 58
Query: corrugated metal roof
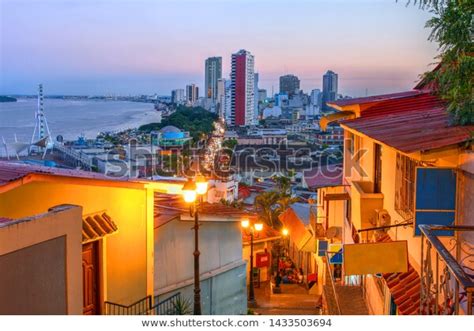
169, 207
97, 226
417, 123
405, 287
11, 171
375, 98
266, 233
324, 176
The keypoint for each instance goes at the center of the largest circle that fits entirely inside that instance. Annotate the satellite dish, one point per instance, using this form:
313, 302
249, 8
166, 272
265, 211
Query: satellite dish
334, 232
59, 139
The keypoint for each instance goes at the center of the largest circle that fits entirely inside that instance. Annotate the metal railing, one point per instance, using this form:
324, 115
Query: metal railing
446, 286
141, 307
329, 274
169, 306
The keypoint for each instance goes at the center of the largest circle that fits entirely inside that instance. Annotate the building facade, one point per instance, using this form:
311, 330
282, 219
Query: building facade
242, 89
192, 93
213, 72
330, 82
177, 96
289, 84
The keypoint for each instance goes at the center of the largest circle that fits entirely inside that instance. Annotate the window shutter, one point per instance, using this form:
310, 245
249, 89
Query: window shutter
435, 199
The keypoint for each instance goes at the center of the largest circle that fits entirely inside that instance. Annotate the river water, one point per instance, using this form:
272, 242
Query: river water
71, 118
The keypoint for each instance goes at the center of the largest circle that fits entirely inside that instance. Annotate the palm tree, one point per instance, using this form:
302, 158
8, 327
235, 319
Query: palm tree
264, 206
284, 203
284, 184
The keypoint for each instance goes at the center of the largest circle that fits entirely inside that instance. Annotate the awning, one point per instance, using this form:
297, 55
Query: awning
324, 121
96, 226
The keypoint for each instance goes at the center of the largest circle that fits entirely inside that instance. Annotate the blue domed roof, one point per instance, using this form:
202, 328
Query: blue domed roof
170, 129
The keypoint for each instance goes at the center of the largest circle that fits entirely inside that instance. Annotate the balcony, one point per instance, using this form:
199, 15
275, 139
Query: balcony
364, 203
447, 270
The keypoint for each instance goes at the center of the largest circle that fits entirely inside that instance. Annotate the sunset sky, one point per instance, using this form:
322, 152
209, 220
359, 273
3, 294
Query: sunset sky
153, 46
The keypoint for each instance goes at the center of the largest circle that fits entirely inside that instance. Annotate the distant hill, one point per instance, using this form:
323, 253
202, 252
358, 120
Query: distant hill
6, 99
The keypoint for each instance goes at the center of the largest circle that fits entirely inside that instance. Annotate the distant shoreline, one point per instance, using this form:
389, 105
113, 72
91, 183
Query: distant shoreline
7, 99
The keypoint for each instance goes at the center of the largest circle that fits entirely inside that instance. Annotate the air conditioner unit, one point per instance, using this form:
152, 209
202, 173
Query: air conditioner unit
382, 217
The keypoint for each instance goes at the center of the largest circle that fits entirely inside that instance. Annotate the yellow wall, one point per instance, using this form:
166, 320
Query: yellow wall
126, 251
64, 221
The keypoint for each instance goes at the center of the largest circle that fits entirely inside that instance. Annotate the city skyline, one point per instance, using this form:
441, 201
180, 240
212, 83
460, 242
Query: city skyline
106, 56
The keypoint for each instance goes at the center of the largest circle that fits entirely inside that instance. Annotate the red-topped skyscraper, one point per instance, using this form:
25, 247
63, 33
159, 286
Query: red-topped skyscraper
242, 89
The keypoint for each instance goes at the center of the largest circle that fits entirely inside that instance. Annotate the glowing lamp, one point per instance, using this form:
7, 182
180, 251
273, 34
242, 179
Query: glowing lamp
258, 226
189, 191
245, 223
284, 232
201, 185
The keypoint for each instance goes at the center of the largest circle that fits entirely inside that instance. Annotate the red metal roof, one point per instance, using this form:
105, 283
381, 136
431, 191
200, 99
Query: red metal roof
11, 171
412, 124
374, 98
169, 207
5, 221
266, 234
324, 176
405, 287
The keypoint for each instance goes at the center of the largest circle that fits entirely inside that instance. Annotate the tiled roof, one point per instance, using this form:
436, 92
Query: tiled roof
405, 287
169, 207
11, 171
97, 226
375, 98
417, 123
324, 176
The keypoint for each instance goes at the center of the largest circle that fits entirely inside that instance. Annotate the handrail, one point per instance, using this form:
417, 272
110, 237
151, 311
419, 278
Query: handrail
333, 284
167, 306
451, 262
139, 307
385, 227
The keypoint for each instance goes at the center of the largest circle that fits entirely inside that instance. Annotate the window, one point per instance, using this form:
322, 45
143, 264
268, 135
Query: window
378, 169
405, 186
350, 142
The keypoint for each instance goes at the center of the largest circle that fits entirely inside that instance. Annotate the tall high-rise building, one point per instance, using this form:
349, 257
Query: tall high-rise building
213, 72
289, 84
220, 104
177, 96
316, 97
255, 96
242, 88
228, 102
329, 88
192, 93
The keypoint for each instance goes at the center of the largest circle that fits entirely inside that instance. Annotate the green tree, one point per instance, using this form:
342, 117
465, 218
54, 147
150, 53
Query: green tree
452, 27
230, 143
284, 203
283, 184
264, 206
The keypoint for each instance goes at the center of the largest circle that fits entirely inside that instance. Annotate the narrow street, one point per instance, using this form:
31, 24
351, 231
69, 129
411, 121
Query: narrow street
293, 300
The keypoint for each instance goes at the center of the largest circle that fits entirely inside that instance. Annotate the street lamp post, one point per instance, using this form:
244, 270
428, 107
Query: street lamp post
190, 191
256, 227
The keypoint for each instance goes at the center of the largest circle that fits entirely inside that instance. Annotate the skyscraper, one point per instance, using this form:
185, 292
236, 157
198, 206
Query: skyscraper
213, 72
221, 84
192, 93
329, 88
255, 96
289, 84
242, 88
177, 96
